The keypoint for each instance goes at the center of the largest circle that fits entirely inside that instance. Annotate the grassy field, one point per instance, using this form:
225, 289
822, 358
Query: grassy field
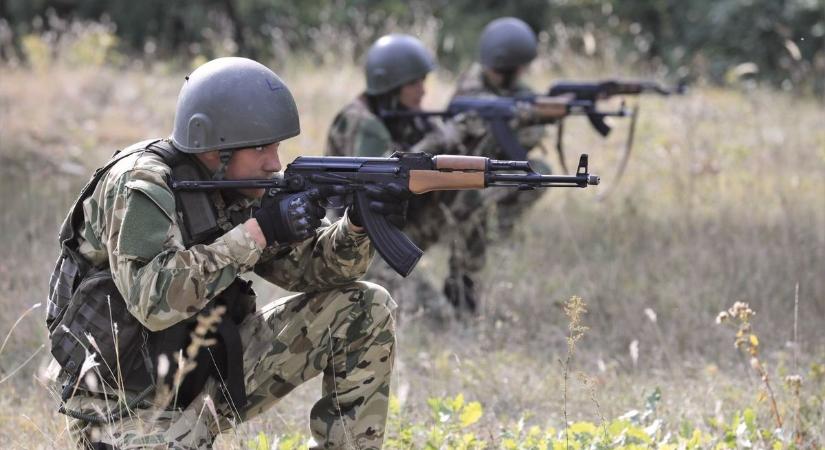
723, 202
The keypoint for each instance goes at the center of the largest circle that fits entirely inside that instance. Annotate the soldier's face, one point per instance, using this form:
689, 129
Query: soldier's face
411, 94
248, 163
498, 79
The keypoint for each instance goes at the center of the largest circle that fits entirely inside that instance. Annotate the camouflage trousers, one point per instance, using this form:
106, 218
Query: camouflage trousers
346, 334
477, 219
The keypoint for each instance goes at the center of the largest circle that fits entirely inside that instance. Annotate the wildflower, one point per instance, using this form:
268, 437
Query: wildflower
793, 382
651, 314
742, 311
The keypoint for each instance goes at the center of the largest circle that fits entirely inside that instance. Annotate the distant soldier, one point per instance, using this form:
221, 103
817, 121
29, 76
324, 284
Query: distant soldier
149, 286
396, 68
506, 48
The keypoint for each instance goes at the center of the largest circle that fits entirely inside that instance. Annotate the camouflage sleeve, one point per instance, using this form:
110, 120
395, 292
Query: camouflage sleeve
334, 257
357, 132
162, 282
529, 136
372, 139
336, 142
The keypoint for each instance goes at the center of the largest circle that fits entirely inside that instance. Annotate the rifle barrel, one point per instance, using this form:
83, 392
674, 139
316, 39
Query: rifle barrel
534, 179
185, 185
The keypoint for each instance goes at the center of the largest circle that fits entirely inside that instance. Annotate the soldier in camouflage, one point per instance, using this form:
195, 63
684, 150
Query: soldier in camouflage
506, 48
129, 225
396, 68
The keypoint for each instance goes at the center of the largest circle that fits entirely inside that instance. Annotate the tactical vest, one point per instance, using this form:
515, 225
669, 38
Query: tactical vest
85, 310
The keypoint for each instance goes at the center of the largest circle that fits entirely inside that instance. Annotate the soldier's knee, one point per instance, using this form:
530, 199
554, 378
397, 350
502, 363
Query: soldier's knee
376, 294
376, 298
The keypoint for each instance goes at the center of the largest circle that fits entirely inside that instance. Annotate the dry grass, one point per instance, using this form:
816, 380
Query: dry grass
722, 202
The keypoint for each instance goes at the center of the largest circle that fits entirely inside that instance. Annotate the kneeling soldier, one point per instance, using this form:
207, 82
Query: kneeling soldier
149, 317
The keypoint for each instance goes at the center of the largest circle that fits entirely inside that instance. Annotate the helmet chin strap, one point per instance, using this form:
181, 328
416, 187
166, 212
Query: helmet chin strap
225, 156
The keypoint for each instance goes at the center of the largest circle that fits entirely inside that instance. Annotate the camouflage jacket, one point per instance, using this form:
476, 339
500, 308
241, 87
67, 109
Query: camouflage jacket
473, 84
356, 131
131, 225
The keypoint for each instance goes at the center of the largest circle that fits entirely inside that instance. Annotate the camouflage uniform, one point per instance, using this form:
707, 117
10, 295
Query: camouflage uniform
357, 131
496, 211
337, 326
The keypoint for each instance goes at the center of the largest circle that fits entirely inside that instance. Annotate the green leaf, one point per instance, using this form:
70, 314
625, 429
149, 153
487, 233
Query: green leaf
261, 442
291, 442
509, 444
458, 402
435, 405
652, 400
750, 419
471, 414
638, 435
583, 427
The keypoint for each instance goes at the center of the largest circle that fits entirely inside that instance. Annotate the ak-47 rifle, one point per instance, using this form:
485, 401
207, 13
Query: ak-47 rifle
594, 91
419, 172
600, 90
499, 112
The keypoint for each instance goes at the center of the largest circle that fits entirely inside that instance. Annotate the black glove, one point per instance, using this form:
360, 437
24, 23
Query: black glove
389, 200
289, 218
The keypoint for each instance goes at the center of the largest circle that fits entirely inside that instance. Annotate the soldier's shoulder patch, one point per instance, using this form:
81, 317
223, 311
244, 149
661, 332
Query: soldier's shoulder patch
146, 222
149, 212
161, 196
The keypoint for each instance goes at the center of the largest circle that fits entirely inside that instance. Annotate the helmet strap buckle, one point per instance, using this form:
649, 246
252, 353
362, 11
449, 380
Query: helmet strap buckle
225, 156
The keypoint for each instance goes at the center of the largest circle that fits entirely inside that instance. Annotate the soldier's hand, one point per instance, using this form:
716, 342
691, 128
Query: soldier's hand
469, 125
390, 200
289, 217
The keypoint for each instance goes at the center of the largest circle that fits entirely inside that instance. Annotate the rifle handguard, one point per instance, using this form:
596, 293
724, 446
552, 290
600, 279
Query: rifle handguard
422, 181
459, 162
550, 109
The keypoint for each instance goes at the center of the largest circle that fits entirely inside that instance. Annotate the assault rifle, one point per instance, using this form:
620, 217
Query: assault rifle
602, 90
499, 112
419, 172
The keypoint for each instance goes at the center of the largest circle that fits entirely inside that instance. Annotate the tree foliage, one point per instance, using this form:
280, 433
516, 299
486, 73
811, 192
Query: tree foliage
784, 40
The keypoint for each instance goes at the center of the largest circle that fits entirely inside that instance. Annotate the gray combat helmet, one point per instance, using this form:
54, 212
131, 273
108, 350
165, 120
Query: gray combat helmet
232, 103
507, 43
395, 60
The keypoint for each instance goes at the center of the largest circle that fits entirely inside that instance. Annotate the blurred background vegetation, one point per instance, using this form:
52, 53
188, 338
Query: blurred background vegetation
722, 202
781, 42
